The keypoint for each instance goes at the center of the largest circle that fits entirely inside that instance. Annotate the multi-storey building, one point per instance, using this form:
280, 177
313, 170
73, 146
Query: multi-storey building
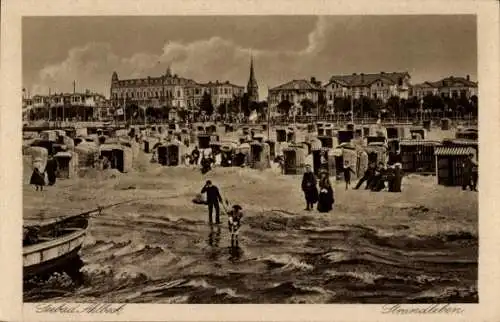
295, 92
64, 107
377, 86
170, 90
223, 92
452, 87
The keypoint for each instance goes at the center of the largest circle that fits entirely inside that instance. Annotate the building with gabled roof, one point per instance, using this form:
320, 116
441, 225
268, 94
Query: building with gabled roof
295, 92
451, 86
376, 86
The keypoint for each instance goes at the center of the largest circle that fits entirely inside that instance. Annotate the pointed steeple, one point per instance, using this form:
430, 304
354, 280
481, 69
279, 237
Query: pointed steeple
252, 87
169, 71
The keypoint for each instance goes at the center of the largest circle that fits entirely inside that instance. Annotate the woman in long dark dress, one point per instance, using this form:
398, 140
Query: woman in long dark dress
37, 179
325, 198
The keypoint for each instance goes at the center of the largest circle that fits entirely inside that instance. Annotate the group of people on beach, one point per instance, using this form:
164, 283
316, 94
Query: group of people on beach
324, 196
235, 214
379, 177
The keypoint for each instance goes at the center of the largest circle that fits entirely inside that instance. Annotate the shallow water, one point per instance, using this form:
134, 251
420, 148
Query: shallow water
283, 258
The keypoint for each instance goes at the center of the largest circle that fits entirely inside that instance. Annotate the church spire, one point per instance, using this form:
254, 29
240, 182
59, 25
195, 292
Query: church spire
252, 87
169, 71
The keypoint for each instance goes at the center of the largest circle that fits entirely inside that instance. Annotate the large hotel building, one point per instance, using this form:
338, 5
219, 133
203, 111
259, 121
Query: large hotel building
170, 90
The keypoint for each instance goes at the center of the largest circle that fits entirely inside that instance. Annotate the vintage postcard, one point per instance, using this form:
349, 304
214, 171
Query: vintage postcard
338, 160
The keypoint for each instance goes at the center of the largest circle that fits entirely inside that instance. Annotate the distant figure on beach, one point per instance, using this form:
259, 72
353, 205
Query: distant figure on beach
378, 183
367, 176
213, 199
470, 174
347, 174
326, 198
234, 223
394, 181
195, 155
206, 164
309, 188
38, 179
51, 169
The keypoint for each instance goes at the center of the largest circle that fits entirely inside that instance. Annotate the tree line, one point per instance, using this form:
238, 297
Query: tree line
362, 107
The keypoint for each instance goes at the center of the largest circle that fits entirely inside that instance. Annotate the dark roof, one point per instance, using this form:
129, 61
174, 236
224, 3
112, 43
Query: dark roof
449, 81
368, 79
298, 84
217, 83
155, 80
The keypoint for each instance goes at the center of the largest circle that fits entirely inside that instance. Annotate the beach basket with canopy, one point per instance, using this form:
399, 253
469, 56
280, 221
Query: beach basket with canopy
449, 160
67, 164
272, 148
49, 135
362, 163
39, 156
417, 133
324, 159
315, 144
418, 155
87, 154
175, 151
259, 157
326, 141
241, 154
216, 147
445, 124
345, 152
377, 152
281, 134
344, 136
294, 160
48, 145
204, 141
228, 150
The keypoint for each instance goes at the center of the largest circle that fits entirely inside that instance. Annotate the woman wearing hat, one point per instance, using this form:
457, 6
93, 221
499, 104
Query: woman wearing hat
326, 198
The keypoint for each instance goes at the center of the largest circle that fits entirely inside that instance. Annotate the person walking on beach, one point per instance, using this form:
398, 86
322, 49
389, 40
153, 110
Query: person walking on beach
326, 197
367, 177
213, 199
347, 174
309, 188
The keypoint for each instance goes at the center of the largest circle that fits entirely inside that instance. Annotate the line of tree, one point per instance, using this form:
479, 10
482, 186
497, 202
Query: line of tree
371, 107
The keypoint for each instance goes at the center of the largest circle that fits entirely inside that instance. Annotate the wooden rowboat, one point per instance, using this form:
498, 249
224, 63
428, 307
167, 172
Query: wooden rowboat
53, 245
56, 245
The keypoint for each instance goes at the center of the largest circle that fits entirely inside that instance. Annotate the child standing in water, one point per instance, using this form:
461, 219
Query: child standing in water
234, 223
347, 174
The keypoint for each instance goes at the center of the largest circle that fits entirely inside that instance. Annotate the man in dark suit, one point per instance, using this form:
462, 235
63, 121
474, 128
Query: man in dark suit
309, 188
213, 199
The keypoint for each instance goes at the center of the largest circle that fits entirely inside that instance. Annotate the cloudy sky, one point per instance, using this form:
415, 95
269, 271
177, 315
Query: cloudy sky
58, 50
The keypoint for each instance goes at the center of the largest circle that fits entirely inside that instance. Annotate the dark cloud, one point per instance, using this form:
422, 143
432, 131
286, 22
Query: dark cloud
218, 48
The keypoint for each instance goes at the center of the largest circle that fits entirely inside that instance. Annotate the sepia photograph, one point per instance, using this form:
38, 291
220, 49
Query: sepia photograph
209, 160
